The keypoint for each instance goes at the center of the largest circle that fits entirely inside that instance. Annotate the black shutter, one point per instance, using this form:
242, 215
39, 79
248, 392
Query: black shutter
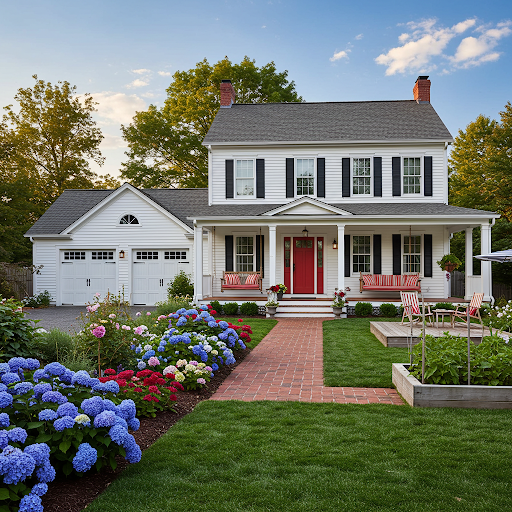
229, 252
262, 254
427, 254
377, 254
377, 177
345, 177
397, 255
427, 169
260, 178
229, 179
320, 175
395, 176
347, 255
289, 178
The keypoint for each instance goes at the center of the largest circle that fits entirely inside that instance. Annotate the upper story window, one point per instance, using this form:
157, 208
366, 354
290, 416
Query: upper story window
412, 254
305, 176
244, 178
128, 219
361, 176
412, 176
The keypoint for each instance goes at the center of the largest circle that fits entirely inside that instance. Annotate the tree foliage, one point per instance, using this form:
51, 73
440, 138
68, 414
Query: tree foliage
481, 178
165, 144
46, 143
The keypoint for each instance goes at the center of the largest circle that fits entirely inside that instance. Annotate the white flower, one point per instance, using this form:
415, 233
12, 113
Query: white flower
215, 352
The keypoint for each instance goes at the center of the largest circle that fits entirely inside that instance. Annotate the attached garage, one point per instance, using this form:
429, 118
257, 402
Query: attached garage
153, 270
85, 273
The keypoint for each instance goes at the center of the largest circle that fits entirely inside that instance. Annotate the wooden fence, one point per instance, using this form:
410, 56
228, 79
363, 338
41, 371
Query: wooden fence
17, 280
458, 287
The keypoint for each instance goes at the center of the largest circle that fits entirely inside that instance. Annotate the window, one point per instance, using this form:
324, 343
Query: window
412, 253
147, 255
412, 175
244, 178
244, 253
128, 219
361, 176
361, 253
102, 255
175, 255
74, 255
305, 176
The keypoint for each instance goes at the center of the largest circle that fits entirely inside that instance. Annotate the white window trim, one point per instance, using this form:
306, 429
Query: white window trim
295, 177
356, 274
352, 158
422, 176
124, 226
403, 253
237, 234
244, 198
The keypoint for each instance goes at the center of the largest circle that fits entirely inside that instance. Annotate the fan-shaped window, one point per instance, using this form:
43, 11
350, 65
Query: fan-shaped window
128, 219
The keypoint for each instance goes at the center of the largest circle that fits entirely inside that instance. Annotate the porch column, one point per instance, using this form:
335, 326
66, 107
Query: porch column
469, 261
341, 257
272, 255
198, 262
485, 245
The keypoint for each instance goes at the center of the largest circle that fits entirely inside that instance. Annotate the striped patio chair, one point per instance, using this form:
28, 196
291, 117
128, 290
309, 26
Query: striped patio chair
412, 309
474, 309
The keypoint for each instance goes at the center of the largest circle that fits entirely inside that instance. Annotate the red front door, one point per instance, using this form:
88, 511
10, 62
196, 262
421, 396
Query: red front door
303, 265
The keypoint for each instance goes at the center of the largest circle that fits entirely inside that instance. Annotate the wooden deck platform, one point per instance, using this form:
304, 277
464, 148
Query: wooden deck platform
392, 334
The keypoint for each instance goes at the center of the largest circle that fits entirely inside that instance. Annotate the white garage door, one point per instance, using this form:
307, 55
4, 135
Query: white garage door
152, 272
84, 273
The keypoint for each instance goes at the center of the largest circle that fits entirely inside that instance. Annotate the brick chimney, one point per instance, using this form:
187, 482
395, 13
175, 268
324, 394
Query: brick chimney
227, 94
421, 90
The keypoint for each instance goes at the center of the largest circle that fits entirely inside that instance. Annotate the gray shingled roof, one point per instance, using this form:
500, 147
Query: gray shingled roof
316, 122
189, 203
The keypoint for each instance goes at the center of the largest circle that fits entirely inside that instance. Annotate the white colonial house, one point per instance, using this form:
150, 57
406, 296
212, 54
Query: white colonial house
311, 195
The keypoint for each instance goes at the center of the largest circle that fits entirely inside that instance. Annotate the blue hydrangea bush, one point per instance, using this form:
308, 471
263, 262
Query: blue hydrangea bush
77, 420
193, 347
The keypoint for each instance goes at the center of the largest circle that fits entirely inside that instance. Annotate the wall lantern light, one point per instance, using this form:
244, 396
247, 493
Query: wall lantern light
305, 232
334, 244
121, 255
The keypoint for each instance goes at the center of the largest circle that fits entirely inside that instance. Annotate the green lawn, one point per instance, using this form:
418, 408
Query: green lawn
290, 456
260, 327
355, 357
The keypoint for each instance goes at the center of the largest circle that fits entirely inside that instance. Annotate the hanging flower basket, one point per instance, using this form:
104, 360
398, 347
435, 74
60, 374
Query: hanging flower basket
449, 262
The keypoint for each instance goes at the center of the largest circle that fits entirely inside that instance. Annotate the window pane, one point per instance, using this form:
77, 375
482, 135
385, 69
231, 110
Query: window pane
244, 177
361, 176
361, 253
305, 176
412, 254
412, 175
244, 253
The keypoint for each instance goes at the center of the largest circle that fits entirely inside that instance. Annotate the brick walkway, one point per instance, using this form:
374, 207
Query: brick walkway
288, 365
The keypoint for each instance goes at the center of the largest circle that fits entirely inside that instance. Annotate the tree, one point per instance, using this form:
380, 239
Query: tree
481, 178
165, 144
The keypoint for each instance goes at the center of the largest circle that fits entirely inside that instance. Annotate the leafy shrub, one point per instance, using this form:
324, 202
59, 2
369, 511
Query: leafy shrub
230, 308
16, 332
363, 309
249, 308
444, 305
180, 286
54, 345
171, 305
42, 300
216, 306
501, 317
446, 361
388, 310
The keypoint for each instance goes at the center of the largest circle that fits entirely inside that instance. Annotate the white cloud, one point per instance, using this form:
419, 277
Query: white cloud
117, 107
148, 95
359, 37
141, 71
164, 73
264, 26
339, 55
138, 83
112, 142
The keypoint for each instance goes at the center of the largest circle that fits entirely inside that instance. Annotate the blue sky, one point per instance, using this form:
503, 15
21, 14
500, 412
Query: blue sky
125, 52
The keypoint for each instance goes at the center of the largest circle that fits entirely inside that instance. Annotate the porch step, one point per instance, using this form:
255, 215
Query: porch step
303, 314
298, 308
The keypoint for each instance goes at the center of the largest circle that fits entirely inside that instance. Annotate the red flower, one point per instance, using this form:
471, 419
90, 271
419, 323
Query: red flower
178, 385
172, 389
194, 317
209, 306
170, 376
131, 384
109, 371
213, 312
103, 379
154, 389
121, 382
247, 328
144, 373
157, 374
240, 320
127, 374
161, 382
172, 398
138, 390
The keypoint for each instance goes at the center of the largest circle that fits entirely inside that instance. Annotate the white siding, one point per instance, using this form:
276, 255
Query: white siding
275, 172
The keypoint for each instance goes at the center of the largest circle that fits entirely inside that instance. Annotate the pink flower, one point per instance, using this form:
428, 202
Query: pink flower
153, 361
148, 313
97, 294
138, 313
117, 326
126, 327
99, 331
112, 315
201, 381
161, 317
138, 330
194, 363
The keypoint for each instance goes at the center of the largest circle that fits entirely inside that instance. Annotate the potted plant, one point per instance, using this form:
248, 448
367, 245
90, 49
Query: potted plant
271, 306
449, 262
338, 304
279, 289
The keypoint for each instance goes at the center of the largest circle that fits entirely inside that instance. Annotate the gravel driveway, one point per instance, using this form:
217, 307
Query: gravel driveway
67, 318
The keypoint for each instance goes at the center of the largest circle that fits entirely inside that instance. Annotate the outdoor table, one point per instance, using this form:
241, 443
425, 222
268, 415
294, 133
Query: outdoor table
442, 313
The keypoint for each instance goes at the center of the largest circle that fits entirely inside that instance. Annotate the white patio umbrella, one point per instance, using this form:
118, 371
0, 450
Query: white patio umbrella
499, 256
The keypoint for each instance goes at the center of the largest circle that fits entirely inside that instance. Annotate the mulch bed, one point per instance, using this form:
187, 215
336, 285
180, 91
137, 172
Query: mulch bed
73, 494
